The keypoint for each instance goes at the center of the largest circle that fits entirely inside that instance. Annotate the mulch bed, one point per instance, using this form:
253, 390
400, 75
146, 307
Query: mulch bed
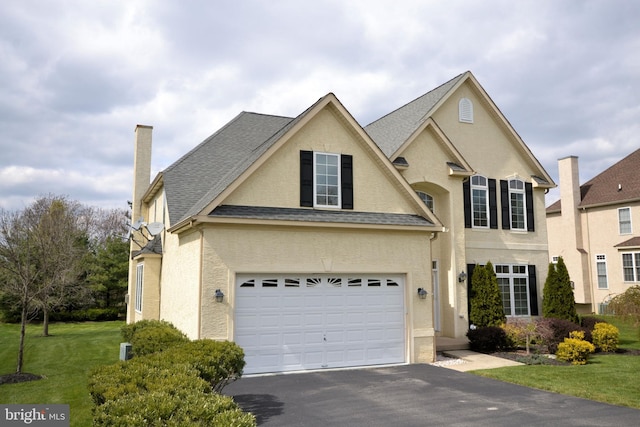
19, 378
535, 358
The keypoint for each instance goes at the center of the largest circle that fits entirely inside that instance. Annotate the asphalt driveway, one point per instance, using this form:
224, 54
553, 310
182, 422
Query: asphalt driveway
413, 395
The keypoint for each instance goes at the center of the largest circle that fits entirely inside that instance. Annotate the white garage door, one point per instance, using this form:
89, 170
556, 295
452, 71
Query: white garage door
290, 323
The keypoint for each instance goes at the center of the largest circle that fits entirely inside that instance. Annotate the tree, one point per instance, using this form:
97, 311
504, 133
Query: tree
558, 300
627, 304
20, 276
108, 271
486, 301
60, 228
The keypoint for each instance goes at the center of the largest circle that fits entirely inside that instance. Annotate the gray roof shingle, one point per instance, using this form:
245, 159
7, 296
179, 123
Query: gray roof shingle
306, 215
392, 130
203, 173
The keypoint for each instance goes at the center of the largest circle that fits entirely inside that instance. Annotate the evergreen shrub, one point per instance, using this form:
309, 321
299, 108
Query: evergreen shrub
217, 362
488, 339
575, 349
151, 336
605, 337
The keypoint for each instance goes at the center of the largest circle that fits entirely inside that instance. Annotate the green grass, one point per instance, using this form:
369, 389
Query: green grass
608, 378
64, 359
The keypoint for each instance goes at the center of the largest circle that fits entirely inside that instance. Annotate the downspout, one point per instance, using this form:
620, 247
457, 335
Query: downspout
589, 254
201, 299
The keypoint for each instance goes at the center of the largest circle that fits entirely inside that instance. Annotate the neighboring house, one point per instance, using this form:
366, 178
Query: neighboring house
592, 228
320, 237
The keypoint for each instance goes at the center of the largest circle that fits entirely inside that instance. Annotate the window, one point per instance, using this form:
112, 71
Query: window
631, 267
465, 111
139, 282
326, 180
601, 269
513, 281
517, 205
516, 199
427, 199
624, 220
479, 201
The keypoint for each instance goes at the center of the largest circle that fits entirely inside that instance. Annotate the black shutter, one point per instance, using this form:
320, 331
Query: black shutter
347, 181
306, 178
466, 195
528, 191
493, 204
470, 268
533, 291
505, 203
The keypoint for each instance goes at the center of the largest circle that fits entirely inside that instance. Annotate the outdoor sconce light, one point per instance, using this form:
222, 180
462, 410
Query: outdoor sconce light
422, 293
462, 277
219, 295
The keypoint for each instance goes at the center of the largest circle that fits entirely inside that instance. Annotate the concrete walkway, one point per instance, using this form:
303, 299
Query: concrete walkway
472, 361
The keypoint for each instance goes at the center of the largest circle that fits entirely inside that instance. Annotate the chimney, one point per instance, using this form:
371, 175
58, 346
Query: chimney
570, 196
141, 168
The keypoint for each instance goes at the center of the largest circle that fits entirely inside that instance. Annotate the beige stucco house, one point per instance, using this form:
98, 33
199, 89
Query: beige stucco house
314, 242
591, 227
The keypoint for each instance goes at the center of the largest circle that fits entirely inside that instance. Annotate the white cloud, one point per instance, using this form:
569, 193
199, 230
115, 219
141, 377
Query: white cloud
76, 76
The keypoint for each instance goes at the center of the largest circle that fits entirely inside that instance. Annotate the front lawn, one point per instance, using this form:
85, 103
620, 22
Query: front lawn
64, 359
609, 378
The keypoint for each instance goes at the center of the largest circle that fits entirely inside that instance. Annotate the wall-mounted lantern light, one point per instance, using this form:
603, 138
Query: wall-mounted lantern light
462, 277
422, 293
219, 295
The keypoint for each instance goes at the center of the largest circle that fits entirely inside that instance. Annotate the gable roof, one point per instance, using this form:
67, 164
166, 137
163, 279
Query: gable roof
209, 168
393, 130
620, 183
198, 182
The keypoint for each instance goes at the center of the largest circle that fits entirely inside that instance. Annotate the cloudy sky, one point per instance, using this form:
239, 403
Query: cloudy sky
76, 76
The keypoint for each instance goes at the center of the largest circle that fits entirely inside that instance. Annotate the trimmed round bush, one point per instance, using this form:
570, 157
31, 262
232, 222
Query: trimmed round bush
162, 408
488, 339
575, 349
152, 336
141, 375
218, 362
605, 337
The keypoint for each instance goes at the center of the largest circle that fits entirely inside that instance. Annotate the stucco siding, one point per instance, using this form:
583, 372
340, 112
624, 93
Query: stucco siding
181, 282
276, 182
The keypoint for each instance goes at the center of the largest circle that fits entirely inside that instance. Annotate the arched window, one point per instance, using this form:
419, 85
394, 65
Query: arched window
517, 205
480, 201
465, 110
427, 199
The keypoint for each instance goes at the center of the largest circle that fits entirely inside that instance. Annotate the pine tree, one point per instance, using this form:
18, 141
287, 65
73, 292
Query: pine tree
486, 301
558, 300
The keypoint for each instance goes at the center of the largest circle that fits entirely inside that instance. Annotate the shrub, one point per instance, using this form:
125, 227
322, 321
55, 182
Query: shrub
162, 408
575, 349
520, 333
605, 337
486, 300
589, 322
627, 305
217, 362
151, 336
553, 331
488, 339
558, 300
141, 375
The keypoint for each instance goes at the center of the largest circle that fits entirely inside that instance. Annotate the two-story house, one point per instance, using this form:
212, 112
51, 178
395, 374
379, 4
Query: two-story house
592, 228
313, 242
